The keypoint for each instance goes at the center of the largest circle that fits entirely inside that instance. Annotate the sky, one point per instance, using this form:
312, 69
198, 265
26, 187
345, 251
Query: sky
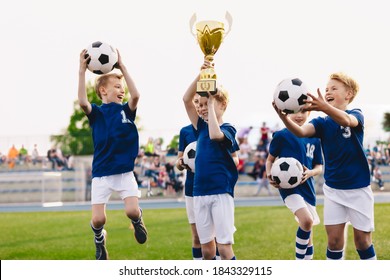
269, 41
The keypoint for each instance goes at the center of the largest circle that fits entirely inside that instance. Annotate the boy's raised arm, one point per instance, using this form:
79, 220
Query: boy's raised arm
134, 93
189, 105
82, 93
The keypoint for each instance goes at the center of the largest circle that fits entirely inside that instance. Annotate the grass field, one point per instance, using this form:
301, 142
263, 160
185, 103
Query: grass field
263, 233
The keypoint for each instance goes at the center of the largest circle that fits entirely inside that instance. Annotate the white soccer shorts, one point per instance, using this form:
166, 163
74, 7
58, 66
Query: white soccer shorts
355, 206
214, 218
190, 209
295, 202
102, 187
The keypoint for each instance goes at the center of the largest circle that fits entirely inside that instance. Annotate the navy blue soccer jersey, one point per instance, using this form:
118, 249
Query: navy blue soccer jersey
346, 165
306, 150
216, 172
186, 137
115, 139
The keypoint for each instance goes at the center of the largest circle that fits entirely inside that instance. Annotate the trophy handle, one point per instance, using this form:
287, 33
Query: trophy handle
229, 19
192, 23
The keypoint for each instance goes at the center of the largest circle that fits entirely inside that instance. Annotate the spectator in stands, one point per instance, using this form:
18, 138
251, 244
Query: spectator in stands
56, 162
154, 168
12, 157
23, 154
163, 181
243, 133
262, 180
243, 155
264, 132
70, 162
3, 158
149, 148
158, 147
262, 149
145, 165
378, 177
257, 166
35, 155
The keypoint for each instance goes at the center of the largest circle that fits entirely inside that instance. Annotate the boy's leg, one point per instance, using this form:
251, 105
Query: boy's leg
226, 251
335, 233
208, 250
196, 247
97, 225
134, 212
364, 246
223, 217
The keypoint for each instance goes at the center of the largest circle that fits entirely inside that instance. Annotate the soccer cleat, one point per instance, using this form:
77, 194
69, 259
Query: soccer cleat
101, 251
140, 232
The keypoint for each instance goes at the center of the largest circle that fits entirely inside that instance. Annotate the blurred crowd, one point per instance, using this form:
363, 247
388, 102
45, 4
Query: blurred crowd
53, 159
155, 166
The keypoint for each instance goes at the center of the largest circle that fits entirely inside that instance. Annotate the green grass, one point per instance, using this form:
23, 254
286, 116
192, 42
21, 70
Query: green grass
263, 233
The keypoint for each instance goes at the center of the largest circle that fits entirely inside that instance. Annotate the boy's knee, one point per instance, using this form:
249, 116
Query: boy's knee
306, 224
98, 221
133, 213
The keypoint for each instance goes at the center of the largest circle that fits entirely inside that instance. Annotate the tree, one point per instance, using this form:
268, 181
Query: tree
173, 146
77, 138
386, 122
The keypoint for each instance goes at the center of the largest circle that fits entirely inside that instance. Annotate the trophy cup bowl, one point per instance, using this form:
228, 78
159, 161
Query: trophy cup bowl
209, 35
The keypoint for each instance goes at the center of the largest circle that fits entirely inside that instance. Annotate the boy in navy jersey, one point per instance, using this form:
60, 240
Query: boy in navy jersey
186, 137
301, 200
347, 190
216, 172
115, 138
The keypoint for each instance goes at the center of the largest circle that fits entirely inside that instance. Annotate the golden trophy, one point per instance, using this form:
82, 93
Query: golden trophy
209, 34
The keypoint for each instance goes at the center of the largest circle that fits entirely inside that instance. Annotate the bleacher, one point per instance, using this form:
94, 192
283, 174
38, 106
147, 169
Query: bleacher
34, 184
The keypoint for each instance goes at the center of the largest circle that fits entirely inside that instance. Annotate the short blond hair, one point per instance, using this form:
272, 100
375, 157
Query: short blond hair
222, 96
103, 80
348, 82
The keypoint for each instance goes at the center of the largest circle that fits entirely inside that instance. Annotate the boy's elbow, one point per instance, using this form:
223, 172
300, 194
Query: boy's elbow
217, 136
135, 97
84, 106
185, 99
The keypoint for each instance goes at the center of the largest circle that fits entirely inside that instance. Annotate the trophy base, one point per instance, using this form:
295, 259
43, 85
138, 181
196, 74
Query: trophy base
203, 87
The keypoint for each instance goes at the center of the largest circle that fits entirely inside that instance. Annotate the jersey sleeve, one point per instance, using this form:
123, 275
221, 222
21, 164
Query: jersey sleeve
230, 138
92, 115
200, 124
318, 126
317, 158
182, 138
276, 145
357, 113
129, 113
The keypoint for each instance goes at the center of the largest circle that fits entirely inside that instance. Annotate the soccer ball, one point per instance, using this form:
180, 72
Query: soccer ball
189, 155
287, 172
103, 58
290, 94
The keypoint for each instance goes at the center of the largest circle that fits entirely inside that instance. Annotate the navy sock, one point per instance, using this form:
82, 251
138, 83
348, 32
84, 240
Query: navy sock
301, 242
98, 233
309, 252
334, 255
368, 254
197, 253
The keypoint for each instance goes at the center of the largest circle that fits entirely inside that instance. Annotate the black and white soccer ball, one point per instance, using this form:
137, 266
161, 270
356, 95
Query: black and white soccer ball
287, 172
189, 155
290, 94
103, 57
